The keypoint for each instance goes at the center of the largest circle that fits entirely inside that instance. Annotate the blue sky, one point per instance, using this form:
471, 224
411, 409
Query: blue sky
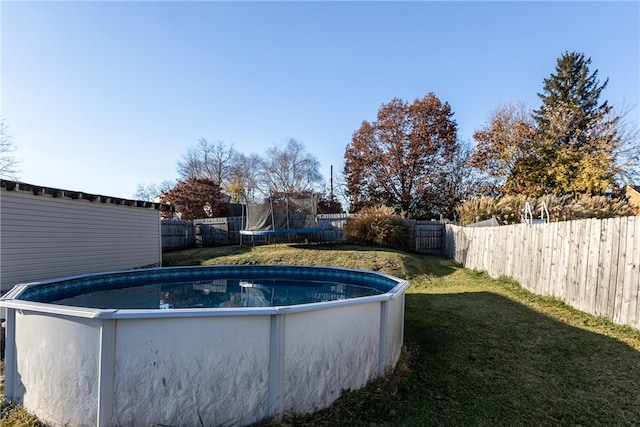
103, 96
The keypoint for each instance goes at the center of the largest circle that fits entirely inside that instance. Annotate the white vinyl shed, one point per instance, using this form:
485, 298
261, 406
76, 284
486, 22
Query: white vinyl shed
48, 232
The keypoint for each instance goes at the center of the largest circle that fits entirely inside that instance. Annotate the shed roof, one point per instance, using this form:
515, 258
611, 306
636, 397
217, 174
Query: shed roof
39, 190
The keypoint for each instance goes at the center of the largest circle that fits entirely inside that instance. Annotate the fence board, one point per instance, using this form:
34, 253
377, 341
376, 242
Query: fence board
613, 278
538, 257
500, 245
508, 251
496, 244
551, 256
629, 274
620, 305
476, 248
486, 244
561, 261
525, 272
582, 268
591, 289
636, 261
604, 268
572, 263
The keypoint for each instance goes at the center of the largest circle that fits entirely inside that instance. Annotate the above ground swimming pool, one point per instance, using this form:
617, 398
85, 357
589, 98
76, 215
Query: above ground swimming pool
221, 345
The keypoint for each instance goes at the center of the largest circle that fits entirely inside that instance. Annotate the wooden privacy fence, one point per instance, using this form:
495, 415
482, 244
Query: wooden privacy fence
177, 234
218, 231
332, 227
429, 237
591, 264
208, 232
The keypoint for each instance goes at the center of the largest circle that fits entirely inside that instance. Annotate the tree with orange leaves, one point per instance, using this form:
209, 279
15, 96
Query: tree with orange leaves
195, 198
403, 159
505, 149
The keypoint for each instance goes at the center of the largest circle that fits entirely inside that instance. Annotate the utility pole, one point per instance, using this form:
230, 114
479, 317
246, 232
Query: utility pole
331, 185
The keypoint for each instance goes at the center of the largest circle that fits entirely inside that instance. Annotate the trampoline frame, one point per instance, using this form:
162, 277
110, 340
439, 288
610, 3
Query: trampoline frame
273, 231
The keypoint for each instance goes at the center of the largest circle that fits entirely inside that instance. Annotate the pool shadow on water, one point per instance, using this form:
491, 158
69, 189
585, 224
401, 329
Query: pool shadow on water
483, 359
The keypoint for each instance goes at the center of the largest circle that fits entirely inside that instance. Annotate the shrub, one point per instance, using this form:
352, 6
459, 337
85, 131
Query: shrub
476, 210
599, 207
378, 227
508, 209
558, 207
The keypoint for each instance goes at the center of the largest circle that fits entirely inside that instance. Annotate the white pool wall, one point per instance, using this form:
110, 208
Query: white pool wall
232, 367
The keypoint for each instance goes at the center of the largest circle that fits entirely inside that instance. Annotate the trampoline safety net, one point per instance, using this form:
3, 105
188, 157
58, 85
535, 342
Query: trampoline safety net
282, 213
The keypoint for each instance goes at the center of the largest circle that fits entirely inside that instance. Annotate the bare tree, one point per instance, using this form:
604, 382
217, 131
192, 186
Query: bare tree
627, 152
244, 176
212, 161
459, 181
8, 163
289, 168
150, 192
340, 190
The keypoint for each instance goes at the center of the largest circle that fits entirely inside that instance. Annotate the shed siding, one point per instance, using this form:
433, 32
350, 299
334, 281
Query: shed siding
43, 237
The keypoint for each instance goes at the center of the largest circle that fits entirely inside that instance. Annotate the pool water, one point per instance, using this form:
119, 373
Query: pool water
219, 293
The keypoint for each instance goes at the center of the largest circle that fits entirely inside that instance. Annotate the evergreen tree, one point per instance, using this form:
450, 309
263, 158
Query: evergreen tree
577, 143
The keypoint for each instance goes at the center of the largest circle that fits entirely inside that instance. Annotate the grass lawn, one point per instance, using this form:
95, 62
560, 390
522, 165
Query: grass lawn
478, 351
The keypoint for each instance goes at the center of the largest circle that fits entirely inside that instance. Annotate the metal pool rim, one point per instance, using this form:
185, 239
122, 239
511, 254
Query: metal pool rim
396, 288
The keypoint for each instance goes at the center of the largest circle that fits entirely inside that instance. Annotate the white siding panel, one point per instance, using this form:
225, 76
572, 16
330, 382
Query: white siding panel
43, 237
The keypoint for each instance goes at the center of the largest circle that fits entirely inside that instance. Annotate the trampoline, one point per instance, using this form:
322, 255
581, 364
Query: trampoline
283, 214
